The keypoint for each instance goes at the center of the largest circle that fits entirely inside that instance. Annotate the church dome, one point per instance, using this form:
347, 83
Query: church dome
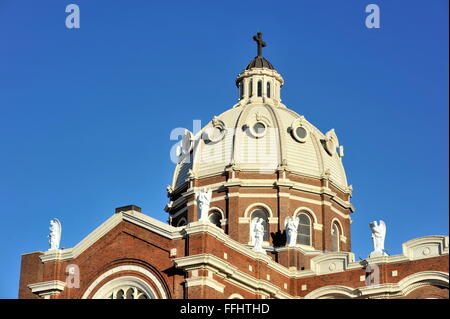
260, 135
259, 62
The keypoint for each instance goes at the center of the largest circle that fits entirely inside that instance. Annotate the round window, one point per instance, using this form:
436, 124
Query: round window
299, 132
213, 134
259, 128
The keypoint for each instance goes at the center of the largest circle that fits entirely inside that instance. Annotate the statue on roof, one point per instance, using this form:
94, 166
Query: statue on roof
291, 225
55, 234
203, 198
258, 232
378, 236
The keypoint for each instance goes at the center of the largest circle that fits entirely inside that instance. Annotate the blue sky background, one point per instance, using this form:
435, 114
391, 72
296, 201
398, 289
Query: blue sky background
85, 115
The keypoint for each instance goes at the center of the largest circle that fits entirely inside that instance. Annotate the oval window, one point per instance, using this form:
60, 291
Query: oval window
259, 128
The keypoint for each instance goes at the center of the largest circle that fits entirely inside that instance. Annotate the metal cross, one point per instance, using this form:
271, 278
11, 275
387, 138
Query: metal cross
260, 42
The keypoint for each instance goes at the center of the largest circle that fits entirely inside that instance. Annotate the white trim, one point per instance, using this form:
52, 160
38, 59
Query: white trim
309, 210
253, 206
47, 288
425, 247
318, 226
331, 262
122, 282
205, 281
235, 296
136, 218
117, 269
231, 273
400, 289
215, 208
334, 291
171, 232
182, 219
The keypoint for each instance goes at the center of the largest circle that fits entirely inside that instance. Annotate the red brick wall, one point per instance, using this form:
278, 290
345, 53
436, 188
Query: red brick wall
129, 244
425, 292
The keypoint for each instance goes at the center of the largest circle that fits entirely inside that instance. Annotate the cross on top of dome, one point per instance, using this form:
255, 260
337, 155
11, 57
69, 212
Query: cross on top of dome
259, 61
261, 44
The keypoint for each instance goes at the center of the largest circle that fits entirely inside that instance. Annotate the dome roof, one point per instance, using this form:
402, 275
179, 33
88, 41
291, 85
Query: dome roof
259, 62
288, 138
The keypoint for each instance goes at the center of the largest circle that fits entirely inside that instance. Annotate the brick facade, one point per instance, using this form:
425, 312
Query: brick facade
209, 264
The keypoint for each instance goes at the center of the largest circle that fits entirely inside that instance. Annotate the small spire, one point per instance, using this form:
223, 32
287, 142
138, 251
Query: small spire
261, 44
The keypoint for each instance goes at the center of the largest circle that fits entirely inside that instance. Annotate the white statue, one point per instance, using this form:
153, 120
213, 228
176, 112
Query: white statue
378, 235
203, 198
291, 225
258, 234
55, 234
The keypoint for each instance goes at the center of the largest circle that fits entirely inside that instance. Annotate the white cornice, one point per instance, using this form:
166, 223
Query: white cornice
231, 272
286, 195
270, 183
134, 217
346, 259
387, 290
47, 288
205, 281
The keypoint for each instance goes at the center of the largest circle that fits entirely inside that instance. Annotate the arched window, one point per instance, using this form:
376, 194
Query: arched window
263, 214
215, 218
181, 222
304, 230
250, 88
335, 237
128, 293
241, 90
259, 88
268, 89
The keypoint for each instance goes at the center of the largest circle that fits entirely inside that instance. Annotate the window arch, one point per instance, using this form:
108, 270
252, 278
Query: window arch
335, 235
259, 88
260, 213
304, 229
181, 222
215, 217
241, 89
128, 292
268, 89
125, 287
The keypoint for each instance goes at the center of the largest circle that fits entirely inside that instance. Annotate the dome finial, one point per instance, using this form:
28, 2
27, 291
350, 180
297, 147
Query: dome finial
260, 42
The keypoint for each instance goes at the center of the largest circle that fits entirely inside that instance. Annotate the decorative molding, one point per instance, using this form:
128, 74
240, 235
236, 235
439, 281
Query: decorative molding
288, 183
319, 264
138, 269
301, 209
136, 218
425, 247
205, 281
232, 274
254, 206
47, 288
331, 262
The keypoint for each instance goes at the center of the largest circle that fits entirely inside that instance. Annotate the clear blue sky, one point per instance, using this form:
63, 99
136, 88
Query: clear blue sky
85, 115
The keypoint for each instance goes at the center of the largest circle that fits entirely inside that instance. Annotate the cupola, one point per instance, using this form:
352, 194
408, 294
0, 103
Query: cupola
259, 82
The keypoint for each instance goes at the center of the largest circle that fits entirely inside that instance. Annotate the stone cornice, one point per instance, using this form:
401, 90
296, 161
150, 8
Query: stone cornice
256, 183
438, 246
231, 272
47, 288
134, 217
387, 290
